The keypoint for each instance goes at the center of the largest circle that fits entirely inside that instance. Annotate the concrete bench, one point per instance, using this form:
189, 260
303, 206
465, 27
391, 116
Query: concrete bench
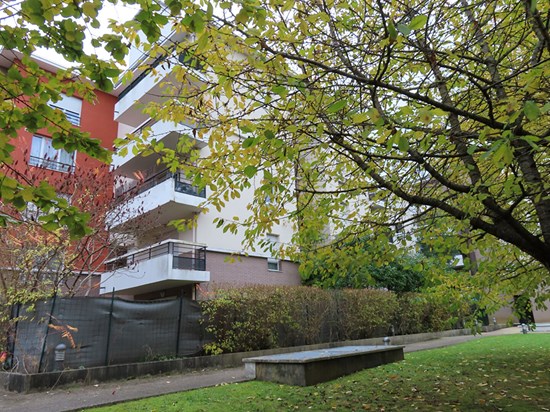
316, 366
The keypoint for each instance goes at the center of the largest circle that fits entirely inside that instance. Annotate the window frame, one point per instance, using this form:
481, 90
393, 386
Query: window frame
65, 105
39, 157
271, 260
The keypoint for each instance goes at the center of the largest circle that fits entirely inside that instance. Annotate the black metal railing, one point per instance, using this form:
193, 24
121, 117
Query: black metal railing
190, 260
185, 256
139, 130
51, 164
181, 185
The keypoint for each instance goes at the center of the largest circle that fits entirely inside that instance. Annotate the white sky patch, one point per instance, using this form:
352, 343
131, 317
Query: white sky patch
118, 12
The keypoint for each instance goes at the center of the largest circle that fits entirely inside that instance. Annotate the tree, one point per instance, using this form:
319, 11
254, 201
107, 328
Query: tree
346, 265
436, 112
37, 260
38, 263
63, 27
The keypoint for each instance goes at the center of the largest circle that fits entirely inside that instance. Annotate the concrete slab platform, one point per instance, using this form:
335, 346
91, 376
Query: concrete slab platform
316, 366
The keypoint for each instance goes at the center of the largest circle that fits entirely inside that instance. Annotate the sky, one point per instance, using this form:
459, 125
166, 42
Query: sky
118, 12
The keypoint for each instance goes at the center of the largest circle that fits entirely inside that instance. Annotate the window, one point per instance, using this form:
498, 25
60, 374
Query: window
43, 154
71, 106
273, 264
33, 213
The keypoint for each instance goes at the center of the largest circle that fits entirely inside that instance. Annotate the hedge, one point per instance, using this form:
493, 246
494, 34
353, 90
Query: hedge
265, 317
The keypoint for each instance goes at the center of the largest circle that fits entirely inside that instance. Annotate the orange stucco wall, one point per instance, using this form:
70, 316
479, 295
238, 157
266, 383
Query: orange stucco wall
96, 118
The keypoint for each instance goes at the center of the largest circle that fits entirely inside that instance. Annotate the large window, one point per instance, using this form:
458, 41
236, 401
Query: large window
43, 154
71, 106
273, 264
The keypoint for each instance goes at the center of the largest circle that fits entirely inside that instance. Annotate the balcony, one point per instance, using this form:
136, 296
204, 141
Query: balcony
167, 133
159, 199
51, 164
168, 264
145, 88
149, 85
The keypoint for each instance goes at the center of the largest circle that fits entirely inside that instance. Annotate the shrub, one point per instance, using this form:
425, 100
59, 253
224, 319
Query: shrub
364, 313
263, 317
241, 320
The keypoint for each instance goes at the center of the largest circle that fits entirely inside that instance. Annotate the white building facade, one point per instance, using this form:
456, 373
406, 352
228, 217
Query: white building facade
160, 261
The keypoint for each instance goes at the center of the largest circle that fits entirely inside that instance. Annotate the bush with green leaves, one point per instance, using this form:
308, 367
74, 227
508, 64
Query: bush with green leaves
264, 317
356, 264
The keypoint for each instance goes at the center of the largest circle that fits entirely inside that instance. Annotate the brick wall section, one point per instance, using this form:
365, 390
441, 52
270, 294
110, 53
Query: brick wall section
246, 270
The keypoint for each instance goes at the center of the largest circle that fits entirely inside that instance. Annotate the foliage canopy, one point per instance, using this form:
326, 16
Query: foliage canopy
352, 116
364, 116
27, 89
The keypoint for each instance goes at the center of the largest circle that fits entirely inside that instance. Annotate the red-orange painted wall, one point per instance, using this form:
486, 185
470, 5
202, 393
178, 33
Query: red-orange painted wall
96, 118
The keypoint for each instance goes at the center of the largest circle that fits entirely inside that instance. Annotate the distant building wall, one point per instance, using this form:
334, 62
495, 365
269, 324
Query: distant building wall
542, 316
234, 271
506, 315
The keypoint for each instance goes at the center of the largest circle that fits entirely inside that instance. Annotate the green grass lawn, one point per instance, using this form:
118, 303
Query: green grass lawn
505, 373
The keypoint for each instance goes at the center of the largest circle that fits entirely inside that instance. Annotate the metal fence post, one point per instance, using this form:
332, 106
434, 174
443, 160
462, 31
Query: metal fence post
109, 328
179, 325
46, 334
12, 337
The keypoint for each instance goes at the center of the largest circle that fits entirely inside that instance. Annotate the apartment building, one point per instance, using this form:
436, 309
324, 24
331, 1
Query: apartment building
158, 261
73, 175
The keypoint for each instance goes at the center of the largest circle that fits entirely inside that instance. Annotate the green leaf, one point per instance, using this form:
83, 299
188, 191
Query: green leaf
243, 16
280, 90
202, 42
14, 73
27, 194
197, 23
359, 117
531, 110
249, 41
404, 29
337, 106
403, 143
250, 171
246, 128
249, 142
90, 10
418, 22
504, 153
392, 30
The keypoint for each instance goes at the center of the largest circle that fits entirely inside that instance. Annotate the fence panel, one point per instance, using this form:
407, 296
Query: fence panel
137, 331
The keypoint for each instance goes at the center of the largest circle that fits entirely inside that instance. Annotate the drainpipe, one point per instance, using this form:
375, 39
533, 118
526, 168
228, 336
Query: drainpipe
195, 228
